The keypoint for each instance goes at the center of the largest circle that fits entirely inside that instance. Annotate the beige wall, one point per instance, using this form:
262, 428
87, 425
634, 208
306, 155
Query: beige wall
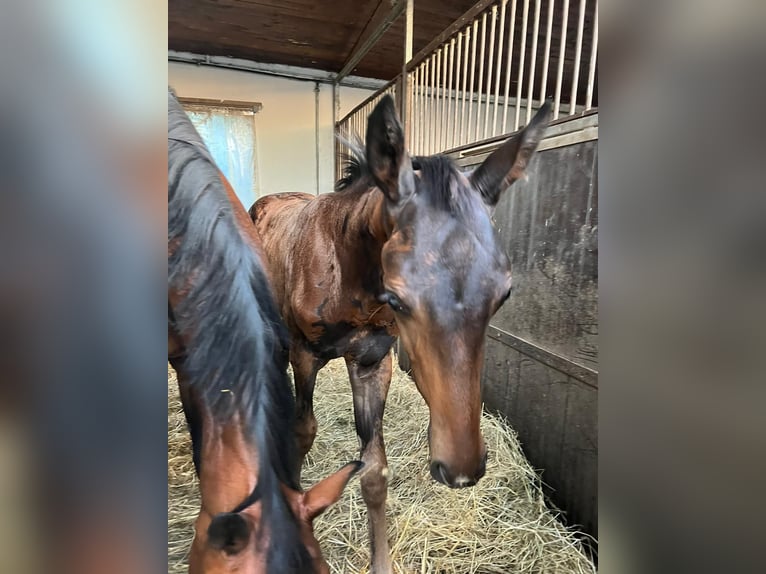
285, 149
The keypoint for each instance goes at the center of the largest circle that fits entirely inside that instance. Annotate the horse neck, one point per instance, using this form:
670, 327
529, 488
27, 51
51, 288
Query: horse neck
371, 217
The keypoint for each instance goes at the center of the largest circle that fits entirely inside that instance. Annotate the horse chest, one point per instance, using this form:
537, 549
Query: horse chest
361, 331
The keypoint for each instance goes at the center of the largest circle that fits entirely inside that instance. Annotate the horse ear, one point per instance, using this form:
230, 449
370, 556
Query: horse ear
230, 532
327, 492
507, 163
389, 162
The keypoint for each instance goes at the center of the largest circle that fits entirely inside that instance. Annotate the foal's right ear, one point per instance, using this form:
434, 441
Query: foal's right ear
230, 532
389, 162
508, 163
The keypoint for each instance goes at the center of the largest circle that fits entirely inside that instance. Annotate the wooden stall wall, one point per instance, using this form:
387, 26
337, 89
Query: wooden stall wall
540, 368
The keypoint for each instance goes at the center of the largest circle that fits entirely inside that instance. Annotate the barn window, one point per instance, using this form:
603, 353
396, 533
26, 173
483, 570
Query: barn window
228, 129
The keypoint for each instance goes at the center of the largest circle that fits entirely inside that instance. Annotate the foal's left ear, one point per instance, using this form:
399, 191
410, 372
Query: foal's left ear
327, 492
507, 163
389, 162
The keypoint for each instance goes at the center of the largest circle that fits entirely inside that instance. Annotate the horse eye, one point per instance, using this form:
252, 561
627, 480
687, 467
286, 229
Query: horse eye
393, 301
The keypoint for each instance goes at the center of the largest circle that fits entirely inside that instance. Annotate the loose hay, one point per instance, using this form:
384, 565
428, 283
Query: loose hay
501, 525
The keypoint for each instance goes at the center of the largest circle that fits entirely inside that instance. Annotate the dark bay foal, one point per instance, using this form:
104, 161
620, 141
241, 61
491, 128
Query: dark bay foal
405, 248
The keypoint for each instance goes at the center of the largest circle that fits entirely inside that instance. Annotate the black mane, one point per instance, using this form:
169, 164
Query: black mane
439, 175
236, 342
355, 166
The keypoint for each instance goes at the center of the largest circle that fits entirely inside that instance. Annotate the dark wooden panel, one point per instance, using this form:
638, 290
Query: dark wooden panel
540, 410
498, 361
563, 364
549, 228
577, 488
549, 326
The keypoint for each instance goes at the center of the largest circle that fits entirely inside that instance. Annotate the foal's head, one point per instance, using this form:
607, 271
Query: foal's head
445, 274
244, 540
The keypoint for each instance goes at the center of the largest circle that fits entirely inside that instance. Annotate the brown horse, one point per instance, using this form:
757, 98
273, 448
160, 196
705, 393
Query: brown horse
229, 348
405, 248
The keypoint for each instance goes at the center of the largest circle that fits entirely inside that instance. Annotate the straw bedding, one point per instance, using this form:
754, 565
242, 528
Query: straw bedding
502, 525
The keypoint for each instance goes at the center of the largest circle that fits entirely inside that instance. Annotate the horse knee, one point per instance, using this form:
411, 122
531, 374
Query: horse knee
374, 481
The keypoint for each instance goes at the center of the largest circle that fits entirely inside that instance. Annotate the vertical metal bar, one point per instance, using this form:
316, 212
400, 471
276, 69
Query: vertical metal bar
335, 128
481, 73
473, 69
578, 55
508, 67
437, 101
547, 57
448, 120
443, 118
562, 52
533, 61
422, 107
406, 100
490, 68
415, 144
409, 17
458, 62
499, 67
465, 76
592, 66
522, 57
410, 107
431, 107
316, 134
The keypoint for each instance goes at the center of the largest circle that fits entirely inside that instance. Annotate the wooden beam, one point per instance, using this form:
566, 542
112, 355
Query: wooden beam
279, 70
253, 107
376, 34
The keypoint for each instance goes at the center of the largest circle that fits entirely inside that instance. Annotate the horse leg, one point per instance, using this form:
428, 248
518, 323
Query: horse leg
305, 368
370, 384
191, 410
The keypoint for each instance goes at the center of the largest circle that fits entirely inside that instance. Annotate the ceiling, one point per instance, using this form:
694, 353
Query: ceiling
323, 35
317, 34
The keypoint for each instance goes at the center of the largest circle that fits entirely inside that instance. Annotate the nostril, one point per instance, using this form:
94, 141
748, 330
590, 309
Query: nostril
439, 473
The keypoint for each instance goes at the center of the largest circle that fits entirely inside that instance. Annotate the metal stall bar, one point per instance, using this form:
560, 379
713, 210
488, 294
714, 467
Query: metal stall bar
508, 67
481, 73
592, 66
448, 120
547, 58
471, 84
578, 54
443, 109
458, 61
490, 68
522, 56
451, 95
423, 107
562, 53
465, 76
432, 109
533, 61
499, 66
437, 103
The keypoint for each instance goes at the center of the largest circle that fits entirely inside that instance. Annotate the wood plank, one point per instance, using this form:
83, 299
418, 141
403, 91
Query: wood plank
498, 359
539, 419
551, 238
562, 364
578, 490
